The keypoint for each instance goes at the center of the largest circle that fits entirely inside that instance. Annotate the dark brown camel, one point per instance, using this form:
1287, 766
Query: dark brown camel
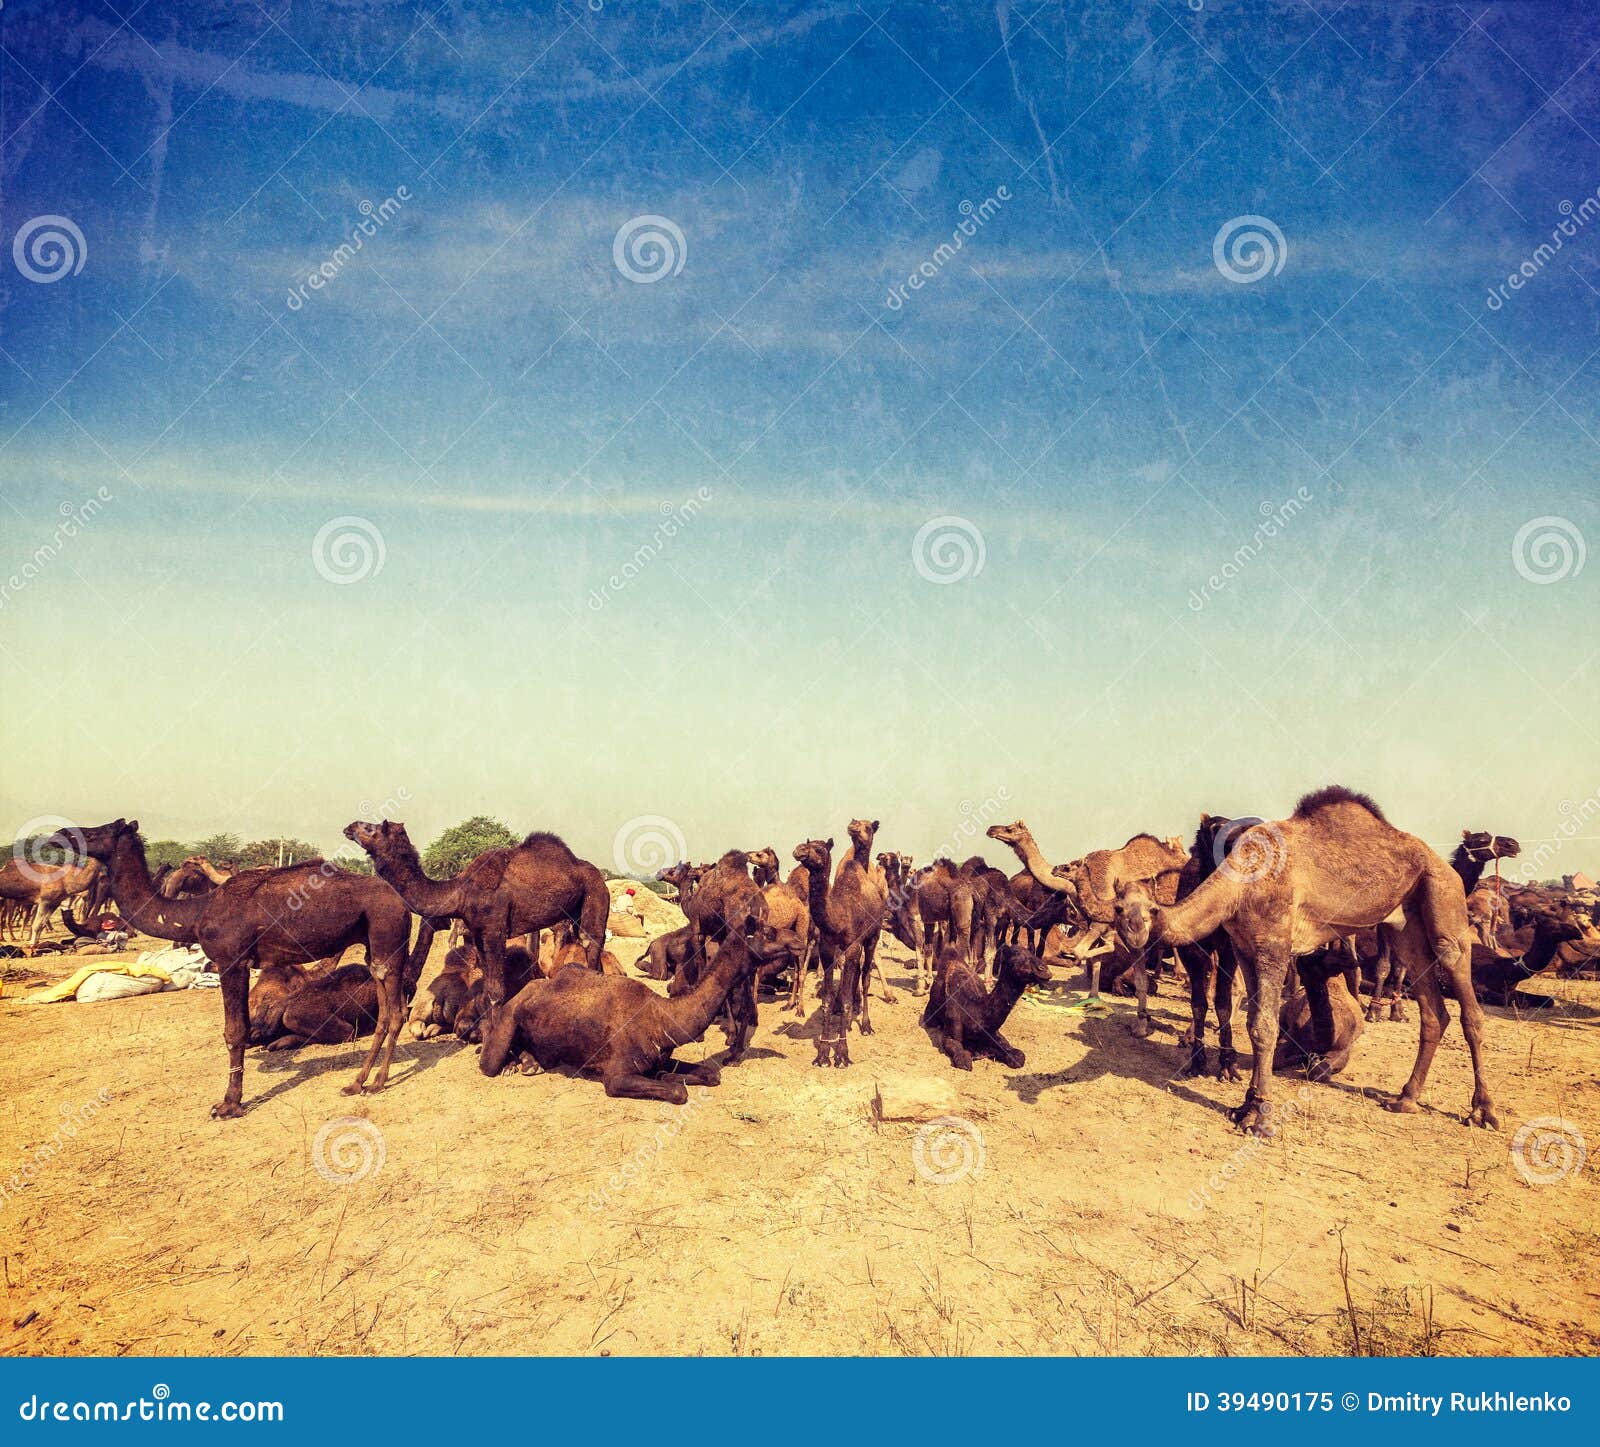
291, 916
291, 1005
36, 889
499, 895
963, 1018
725, 901
1319, 1023
848, 914
619, 1029
1291, 887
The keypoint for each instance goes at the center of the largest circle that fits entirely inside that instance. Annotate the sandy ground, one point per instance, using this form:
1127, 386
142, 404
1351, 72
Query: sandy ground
773, 1215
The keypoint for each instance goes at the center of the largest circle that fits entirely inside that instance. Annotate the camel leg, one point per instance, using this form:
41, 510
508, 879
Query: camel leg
391, 1013
1318, 1065
1270, 968
642, 1087
41, 912
954, 1042
1456, 967
1410, 945
843, 1001
707, 1072
797, 991
869, 955
1227, 971
235, 991
1397, 991
825, 1024
1380, 979
1141, 1026
1200, 967
1005, 1052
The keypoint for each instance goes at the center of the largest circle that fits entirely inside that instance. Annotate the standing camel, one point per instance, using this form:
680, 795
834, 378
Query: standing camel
1336, 865
501, 894
39, 888
848, 914
291, 916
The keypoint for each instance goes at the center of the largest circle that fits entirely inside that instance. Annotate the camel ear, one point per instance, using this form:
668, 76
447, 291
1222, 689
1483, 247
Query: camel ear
830, 841
874, 826
133, 826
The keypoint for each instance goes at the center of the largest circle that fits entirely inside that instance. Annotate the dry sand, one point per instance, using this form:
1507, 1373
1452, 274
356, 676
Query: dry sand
772, 1215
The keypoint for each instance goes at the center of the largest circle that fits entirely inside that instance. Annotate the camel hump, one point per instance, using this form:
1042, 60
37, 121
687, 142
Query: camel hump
1326, 798
544, 839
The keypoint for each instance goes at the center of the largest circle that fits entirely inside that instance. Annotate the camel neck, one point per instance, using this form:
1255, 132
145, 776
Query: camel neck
1037, 865
690, 1013
817, 896
139, 903
403, 873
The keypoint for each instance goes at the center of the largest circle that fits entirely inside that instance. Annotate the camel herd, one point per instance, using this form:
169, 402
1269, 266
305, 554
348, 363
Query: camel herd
1300, 908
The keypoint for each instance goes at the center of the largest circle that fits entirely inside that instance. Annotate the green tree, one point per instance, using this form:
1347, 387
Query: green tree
162, 852
218, 848
460, 844
268, 852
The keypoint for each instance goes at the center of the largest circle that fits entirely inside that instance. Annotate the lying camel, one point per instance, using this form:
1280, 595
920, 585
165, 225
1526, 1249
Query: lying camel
294, 1005
666, 954
963, 1018
1299, 1029
620, 1029
521, 969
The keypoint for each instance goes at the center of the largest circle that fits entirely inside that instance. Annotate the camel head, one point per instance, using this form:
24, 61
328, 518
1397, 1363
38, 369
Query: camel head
378, 839
98, 842
765, 863
863, 832
1021, 964
1479, 844
816, 855
1135, 914
1071, 871
1012, 834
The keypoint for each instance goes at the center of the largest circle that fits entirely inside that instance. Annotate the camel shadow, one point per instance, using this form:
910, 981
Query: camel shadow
412, 1058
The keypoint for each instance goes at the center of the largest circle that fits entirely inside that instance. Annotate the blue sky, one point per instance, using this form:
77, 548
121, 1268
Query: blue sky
1108, 401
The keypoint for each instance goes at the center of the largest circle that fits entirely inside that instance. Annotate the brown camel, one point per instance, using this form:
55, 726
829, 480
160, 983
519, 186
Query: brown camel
291, 1005
849, 915
963, 1018
499, 895
1291, 887
725, 901
38, 888
1300, 1028
788, 914
619, 1029
291, 916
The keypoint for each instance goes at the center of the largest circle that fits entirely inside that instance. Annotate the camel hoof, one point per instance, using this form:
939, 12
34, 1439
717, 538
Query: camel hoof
1015, 1060
1397, 1014
1484, 1116
1402, 1105
226, 1110
1140, 1027
1194, 1066
865, 1027
1251, 1120
354, 1088
1319, 1071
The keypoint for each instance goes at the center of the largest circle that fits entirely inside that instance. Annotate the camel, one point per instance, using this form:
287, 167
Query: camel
787, 913
289, 916
932, 906
500, 894
291, 1005
1299, 1028
725, 901
1287, 888
39, 888
683, 876
522, 967
963, 1018
197, 875
620, 1029
848, 914
1060, 882
668, 953
1542, 932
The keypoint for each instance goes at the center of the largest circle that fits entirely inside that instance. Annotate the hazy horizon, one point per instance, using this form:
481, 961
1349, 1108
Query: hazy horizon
659, 455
